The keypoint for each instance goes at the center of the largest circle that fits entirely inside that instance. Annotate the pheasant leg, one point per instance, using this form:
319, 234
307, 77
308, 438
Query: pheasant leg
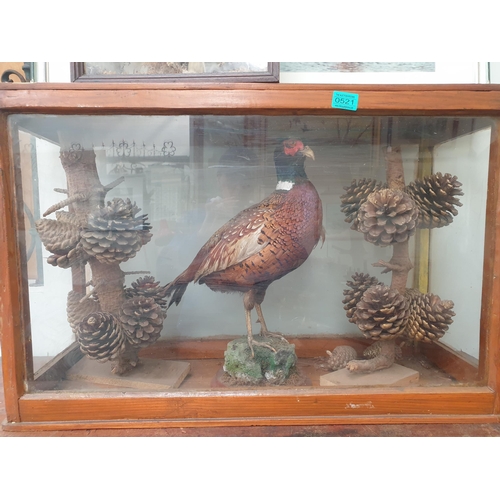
251, 340
252, 299
263, 327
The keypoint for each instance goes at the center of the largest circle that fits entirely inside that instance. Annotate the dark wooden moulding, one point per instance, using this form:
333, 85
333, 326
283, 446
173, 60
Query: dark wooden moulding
475, 402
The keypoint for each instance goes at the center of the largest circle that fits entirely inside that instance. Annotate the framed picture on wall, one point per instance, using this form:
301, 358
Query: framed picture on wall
174, 71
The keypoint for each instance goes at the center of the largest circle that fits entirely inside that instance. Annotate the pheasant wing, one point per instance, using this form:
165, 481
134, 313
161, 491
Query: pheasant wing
236, 241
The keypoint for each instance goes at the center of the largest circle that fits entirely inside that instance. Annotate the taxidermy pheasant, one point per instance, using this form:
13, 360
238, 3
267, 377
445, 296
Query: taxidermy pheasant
262, 243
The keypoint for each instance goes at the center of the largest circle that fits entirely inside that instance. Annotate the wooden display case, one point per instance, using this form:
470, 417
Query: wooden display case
459, 384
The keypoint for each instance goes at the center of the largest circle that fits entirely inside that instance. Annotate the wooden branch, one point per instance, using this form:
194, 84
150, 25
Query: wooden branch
400, 261
88, 295
394, 171
113, 184
400, 265
393, 266
68, 201
87, 194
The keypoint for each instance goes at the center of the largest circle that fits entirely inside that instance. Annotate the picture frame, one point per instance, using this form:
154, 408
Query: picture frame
264, 72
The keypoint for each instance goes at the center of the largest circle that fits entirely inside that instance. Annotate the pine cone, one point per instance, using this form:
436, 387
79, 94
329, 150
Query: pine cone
435, 197
387, 217
361, 282
382, 312
340, 356
74, 257
77, 310
357, 193
430, 316
375, 349
114, 234
147, 287
100, 336
58, 237
142, 320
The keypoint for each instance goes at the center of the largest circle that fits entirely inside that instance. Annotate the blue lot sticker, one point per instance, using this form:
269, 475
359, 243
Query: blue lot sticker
345, 100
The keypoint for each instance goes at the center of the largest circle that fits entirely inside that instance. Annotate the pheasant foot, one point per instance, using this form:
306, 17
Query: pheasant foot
263, 327
252, 342
276, 335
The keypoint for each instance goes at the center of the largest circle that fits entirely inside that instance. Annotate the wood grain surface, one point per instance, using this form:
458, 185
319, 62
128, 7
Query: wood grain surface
241, 99
292, 429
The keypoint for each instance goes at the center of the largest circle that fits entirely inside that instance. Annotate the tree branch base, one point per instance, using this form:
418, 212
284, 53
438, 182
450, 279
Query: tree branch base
385, 359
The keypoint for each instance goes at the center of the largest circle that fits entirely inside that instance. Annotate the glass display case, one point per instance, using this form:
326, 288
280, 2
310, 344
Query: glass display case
248, 253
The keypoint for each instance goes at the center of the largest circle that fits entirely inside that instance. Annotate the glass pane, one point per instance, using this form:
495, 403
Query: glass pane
118, 207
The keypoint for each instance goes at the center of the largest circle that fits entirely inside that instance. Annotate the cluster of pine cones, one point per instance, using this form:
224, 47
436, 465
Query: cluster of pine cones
104, 336
111, 234
383, 313
386, 216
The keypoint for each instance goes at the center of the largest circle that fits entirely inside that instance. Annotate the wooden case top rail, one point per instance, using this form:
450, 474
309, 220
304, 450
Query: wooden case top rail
106, 98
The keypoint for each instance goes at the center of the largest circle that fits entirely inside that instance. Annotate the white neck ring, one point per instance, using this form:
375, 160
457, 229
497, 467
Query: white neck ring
284, 185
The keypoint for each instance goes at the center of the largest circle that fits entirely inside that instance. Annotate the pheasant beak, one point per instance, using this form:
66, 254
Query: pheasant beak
308, 152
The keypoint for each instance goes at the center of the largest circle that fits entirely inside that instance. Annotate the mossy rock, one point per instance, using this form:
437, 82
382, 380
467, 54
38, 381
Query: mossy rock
273, 367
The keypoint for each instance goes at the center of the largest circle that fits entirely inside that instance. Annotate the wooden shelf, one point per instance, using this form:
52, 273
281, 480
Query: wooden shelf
206, 357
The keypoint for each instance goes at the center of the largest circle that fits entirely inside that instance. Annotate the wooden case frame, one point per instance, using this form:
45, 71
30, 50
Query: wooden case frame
479, 402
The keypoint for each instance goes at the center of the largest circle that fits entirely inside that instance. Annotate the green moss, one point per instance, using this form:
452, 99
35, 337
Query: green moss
268, 365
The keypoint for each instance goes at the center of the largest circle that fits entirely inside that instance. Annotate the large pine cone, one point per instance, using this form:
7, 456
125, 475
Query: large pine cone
430, 316
356, 194
57, 236
361, 282
147, 287
77, 310
114, 234
100, 336
62, 238
382, 313
387, 217
142, 320
435, 197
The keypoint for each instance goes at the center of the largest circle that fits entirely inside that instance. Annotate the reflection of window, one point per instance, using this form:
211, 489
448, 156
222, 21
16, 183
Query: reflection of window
28, 159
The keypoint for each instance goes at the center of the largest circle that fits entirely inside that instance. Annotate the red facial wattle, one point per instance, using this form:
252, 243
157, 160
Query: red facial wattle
291, 148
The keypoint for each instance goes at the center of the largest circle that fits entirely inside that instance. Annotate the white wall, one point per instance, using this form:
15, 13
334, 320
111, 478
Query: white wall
50, 329
456, 253
494, 72
59, 72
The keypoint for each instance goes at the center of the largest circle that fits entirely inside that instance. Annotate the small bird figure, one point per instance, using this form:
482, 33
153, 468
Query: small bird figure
262, 243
